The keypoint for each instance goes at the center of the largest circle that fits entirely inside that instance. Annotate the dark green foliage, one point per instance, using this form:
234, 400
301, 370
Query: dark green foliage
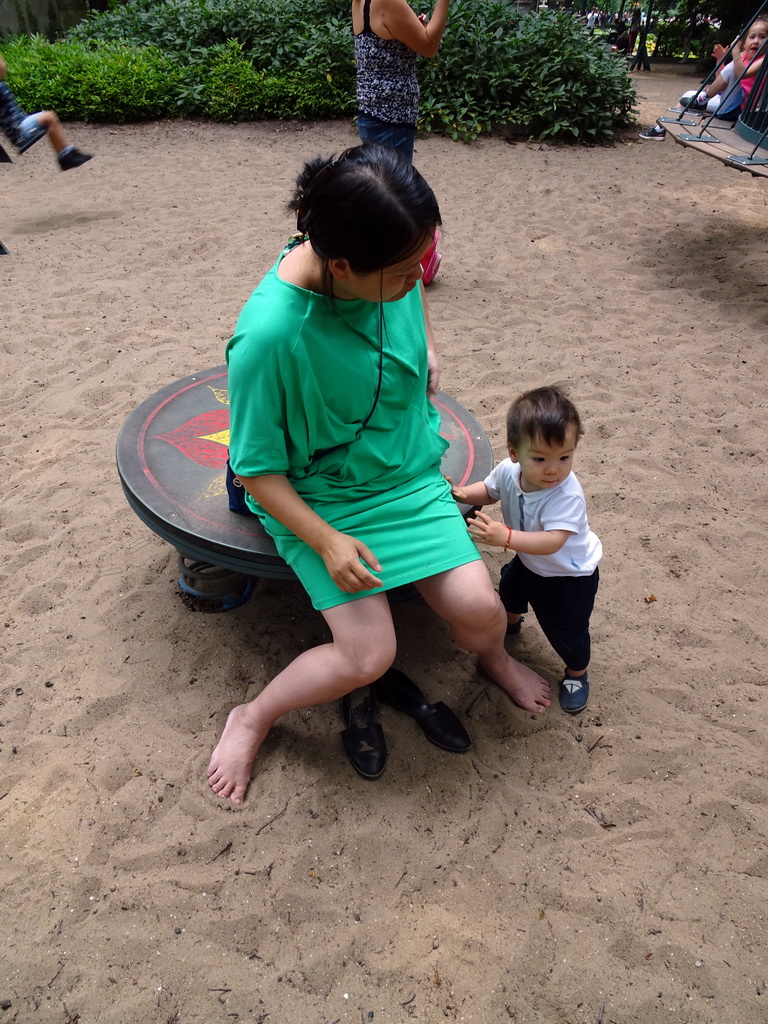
251, 59
541, 72
114, 82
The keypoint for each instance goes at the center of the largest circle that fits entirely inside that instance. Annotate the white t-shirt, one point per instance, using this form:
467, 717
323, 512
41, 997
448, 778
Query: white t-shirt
552, 508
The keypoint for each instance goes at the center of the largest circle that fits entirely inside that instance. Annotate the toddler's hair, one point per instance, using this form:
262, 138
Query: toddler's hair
543, 414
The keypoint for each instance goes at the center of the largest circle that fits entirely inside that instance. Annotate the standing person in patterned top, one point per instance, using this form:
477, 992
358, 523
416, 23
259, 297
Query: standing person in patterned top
389, 36
24, 130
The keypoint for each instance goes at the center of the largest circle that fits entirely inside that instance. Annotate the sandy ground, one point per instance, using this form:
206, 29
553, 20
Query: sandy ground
608, 868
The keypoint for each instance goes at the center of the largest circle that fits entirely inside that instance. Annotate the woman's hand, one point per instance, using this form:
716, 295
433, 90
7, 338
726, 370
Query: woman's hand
342, 555
485, 530
433, 372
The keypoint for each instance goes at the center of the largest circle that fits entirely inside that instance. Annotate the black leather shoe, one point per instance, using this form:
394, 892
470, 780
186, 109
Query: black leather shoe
363, 737
440, 724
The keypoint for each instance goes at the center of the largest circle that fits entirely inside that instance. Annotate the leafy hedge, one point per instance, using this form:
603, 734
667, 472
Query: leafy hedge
545, 75
232, 60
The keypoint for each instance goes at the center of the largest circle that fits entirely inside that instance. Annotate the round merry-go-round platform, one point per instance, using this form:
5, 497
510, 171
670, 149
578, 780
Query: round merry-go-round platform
171, 459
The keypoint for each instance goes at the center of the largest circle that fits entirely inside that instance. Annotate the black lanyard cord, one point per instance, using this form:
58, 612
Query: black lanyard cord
327, 451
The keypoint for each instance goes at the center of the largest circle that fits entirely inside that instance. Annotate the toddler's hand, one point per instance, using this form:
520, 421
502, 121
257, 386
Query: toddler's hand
457, 493
485, 530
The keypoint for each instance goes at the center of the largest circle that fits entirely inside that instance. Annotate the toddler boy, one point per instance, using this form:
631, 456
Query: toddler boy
545, 522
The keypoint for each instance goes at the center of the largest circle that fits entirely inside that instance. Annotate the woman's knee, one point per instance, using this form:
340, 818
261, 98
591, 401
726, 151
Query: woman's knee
477, 609
367, 645
367, 662
485, 611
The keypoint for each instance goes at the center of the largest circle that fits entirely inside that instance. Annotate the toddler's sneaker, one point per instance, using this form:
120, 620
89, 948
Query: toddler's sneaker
69, 158
657, 132
574, 694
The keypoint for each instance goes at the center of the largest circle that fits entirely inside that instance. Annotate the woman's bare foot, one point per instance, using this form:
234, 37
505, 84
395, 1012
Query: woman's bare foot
522, 685
229, 770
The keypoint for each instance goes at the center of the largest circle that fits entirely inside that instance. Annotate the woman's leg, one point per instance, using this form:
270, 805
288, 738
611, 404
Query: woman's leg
465, 598
362, 649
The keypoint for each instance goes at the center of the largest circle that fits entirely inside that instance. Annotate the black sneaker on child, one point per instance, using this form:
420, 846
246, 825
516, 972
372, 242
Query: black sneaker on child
73, 158
657, 132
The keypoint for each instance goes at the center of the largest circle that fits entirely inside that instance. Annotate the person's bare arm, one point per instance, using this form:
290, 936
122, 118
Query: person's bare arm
421, 36
341, 553
471, 494
534, 542
433, 361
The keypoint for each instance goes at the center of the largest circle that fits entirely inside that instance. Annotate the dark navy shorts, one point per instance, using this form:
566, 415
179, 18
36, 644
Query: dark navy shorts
562, 605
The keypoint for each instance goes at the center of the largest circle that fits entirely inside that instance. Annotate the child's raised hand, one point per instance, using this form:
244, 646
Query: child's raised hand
485, 530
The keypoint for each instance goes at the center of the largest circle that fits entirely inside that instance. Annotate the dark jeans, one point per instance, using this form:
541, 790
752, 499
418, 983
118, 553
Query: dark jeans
400, 136
562, 604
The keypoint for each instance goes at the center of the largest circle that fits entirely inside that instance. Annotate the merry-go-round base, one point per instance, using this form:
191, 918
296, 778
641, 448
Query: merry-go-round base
171, 460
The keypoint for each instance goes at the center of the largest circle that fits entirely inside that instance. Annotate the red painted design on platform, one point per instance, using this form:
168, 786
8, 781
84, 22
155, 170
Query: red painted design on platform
191, 440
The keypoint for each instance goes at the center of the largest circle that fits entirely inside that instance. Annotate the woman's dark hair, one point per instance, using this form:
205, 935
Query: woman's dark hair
544, 414
369, 206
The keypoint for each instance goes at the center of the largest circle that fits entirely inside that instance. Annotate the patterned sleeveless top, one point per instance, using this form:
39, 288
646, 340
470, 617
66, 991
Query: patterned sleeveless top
387, 87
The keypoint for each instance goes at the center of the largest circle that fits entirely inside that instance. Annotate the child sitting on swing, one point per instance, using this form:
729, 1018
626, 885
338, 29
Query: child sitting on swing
733, 84
24, 130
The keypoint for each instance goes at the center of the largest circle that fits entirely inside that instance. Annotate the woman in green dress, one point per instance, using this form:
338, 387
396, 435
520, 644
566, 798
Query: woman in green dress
338, 447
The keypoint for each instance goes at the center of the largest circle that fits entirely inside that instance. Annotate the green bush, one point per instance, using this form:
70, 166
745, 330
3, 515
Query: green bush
115, 82
253, 59
544, 74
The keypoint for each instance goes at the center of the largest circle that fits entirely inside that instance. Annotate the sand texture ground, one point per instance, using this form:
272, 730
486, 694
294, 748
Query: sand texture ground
606, 868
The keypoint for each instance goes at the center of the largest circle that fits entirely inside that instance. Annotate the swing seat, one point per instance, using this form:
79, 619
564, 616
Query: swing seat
731, 144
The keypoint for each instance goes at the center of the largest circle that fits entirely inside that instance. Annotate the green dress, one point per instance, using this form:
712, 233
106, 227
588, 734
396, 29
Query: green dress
303, 377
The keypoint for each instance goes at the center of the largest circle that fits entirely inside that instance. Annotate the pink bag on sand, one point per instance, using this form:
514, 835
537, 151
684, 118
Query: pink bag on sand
431, 262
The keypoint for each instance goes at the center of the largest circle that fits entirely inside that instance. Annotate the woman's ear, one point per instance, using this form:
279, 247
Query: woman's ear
340, 269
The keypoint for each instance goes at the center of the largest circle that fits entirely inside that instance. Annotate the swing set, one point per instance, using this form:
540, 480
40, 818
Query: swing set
743, 143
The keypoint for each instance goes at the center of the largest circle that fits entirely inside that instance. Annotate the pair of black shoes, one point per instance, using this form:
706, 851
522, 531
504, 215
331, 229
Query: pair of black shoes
363, 737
